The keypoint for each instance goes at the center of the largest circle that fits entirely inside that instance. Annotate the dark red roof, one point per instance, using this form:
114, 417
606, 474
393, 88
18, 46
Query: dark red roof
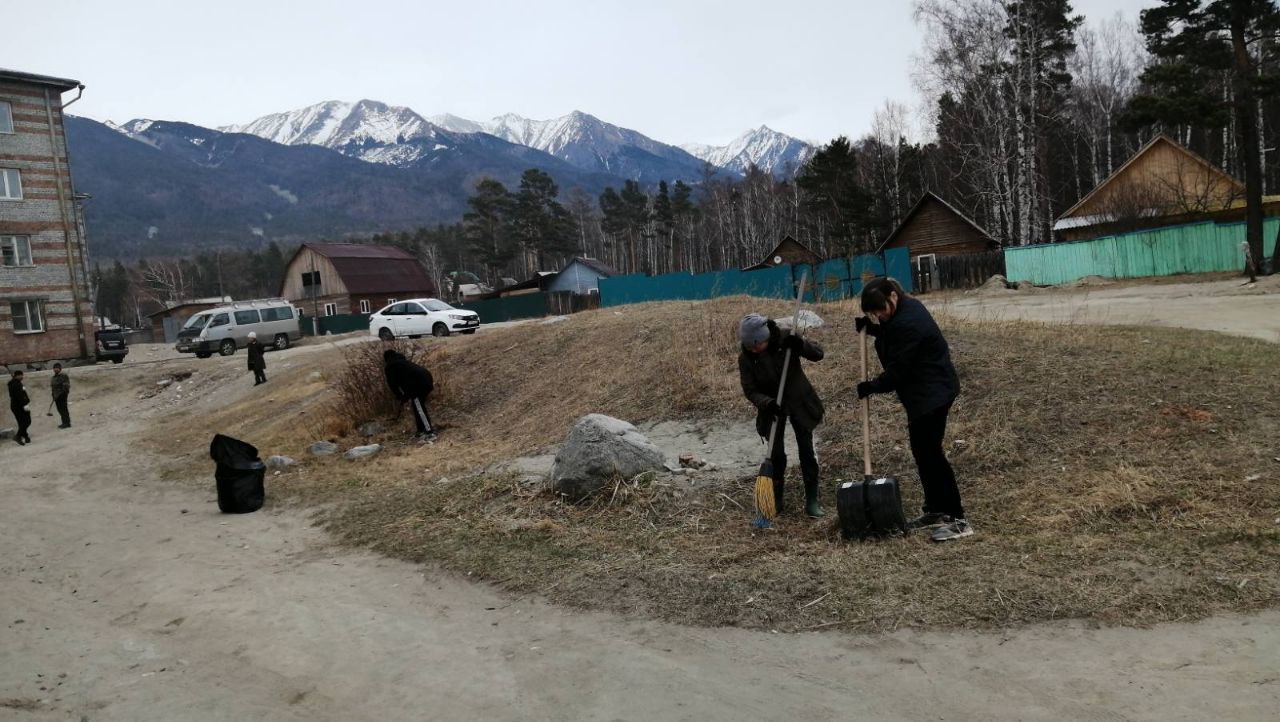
370, 269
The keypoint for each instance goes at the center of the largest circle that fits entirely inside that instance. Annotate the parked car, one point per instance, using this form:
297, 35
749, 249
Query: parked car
111, 344
419, 317
226, 328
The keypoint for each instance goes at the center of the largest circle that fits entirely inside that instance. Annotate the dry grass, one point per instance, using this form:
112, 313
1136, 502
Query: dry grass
1110, 473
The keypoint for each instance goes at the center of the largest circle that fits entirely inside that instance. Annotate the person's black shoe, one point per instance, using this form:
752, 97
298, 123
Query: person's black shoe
20, 441
64, 426
928, 520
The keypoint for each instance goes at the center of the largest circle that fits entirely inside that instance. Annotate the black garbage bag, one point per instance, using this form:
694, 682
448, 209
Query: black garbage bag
239, 475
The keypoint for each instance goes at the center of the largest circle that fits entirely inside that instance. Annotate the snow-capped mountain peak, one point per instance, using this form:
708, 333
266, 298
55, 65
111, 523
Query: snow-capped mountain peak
336, 124
769, 150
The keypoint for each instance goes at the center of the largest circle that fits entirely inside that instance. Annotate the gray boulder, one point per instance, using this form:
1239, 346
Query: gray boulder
279, 462
600, 449
808, 320
362, 452
323, 448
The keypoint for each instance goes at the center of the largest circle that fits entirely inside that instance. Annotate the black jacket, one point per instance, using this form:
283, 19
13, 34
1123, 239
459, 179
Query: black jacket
916, 360
407, 379
256, 360
760, 372
17, 395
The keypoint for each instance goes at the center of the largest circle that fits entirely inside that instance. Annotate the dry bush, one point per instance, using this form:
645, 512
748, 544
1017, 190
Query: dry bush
360, 387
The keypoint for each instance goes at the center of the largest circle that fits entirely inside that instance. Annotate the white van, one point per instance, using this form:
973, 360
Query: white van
226, 328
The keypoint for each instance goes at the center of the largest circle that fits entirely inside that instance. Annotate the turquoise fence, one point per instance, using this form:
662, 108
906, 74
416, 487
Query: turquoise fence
833, 279
509, 308
1193, 248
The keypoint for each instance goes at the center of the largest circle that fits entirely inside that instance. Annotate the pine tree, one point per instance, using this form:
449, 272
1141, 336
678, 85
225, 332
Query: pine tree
664, 221
1193, 43
835, 197
487, 226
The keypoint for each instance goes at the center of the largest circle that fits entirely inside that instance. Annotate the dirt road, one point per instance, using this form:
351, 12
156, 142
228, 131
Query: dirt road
1227, 306
125, 597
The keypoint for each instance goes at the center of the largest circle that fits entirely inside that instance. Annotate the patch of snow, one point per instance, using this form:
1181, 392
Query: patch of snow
283, 193
152, 231
764, 147
267, 216
255, 231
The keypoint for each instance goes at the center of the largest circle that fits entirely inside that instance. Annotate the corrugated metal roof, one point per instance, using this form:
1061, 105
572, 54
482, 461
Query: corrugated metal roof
370, 268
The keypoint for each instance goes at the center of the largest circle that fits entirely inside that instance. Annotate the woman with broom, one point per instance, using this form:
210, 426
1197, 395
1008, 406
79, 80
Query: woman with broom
917, 366
760, 364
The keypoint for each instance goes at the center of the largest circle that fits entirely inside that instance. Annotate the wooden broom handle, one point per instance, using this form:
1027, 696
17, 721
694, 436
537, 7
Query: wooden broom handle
866, 412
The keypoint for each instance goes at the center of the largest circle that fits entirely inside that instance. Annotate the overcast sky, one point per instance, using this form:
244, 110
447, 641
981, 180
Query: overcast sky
683, 71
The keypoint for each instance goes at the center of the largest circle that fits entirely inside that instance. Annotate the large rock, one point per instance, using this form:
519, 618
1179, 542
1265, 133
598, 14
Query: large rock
362, 452
600, 449
279, 462
807, 320
323, 448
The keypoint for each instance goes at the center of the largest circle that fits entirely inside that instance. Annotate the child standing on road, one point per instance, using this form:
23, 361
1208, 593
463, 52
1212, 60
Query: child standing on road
257, 362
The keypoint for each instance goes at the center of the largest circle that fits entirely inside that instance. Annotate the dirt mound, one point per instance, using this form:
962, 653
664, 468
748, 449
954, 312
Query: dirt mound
1088, 499
1090, 282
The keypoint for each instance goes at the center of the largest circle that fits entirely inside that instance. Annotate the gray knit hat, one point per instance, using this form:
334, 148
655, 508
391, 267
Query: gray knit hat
753, 329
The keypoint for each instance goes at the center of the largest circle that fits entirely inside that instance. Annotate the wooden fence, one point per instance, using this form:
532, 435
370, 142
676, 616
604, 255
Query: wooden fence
964, 271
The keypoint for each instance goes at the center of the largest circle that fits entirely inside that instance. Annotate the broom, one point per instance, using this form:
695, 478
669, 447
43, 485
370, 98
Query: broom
766, 505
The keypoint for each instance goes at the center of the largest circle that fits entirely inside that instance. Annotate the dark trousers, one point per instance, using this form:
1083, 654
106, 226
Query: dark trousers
259, 377
808, 461
24, 423
420, 417
941, 495
63, 411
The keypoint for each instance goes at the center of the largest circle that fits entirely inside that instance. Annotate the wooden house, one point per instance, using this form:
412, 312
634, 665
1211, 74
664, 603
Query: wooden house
328, 279
935, 227
1163, 184
789, 251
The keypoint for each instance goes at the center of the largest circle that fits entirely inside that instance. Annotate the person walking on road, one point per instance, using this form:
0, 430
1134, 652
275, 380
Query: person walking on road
60, 385
764, 348
917, 366
20, 405
257, 361
411, 384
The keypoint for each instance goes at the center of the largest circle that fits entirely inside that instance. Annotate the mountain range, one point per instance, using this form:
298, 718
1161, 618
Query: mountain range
338, 168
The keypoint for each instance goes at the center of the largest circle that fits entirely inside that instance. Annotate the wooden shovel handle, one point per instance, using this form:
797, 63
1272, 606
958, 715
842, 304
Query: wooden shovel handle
866, 412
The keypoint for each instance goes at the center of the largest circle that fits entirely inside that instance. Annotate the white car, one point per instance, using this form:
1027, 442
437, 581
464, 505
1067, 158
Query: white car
420, 317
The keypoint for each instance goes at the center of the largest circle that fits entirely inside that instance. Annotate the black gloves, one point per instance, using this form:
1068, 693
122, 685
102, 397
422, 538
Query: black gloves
860, 324
793, 342
864, 389
772, 408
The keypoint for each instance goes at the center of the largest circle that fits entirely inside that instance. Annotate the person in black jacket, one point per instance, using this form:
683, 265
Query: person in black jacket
20, 405
257, 361
917, 367
411, 384
760, 362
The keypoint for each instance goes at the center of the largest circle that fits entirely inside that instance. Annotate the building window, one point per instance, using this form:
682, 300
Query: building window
27, 317
331, 309
6, 117
364, 305
10, 184
391, 301
15, 251
311, 278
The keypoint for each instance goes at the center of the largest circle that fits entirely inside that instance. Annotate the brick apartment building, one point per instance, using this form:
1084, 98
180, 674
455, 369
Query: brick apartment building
45, 310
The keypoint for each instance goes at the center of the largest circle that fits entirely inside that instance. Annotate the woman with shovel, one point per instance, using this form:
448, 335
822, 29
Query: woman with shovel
760, 364
917, 366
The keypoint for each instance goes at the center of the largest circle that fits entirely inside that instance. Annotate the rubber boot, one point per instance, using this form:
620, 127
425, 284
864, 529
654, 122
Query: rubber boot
811, 505
778, 504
